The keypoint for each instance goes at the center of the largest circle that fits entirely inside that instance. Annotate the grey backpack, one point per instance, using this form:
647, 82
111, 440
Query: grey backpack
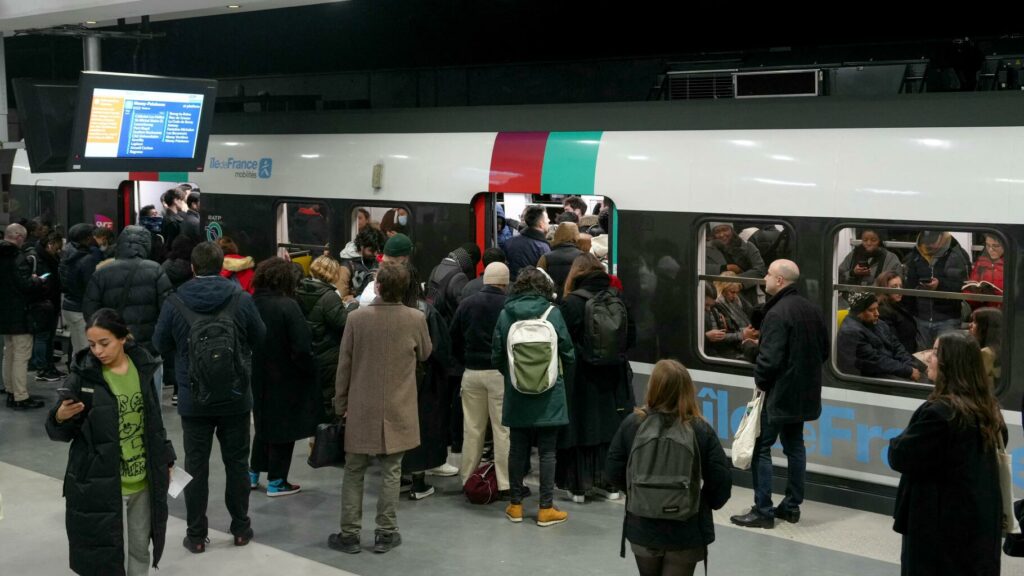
605, 328
663, 475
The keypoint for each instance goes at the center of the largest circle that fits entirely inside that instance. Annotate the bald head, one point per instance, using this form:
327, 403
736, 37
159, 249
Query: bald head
15, 234
781, 273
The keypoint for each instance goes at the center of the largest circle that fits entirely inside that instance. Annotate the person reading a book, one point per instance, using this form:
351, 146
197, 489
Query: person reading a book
987, 275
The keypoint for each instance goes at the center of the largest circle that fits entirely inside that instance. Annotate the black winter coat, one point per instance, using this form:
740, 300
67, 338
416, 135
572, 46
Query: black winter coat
77, 265
472, 329
598, 396
17, 289
949, 505
901, 322
326, 316
287, 401
951, 266
871, 350
140, 305
794, 345
178, 271
92, 482
433, 396
696, 532
525, 250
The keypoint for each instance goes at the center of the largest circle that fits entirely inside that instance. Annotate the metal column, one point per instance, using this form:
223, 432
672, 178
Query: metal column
4, 136
91, 53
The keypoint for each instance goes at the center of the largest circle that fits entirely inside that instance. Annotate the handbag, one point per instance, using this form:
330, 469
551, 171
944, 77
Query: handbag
747, 433
328, 446
1014, 543
1006, 487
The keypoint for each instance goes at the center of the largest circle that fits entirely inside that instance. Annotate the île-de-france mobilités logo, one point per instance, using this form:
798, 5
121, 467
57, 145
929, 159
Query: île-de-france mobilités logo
262, 168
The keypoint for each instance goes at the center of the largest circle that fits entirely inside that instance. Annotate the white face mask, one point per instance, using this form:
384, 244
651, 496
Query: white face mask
402, 220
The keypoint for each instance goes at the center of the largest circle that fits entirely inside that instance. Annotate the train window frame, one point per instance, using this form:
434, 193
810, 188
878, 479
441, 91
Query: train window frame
701, 230
835, 290
308, 248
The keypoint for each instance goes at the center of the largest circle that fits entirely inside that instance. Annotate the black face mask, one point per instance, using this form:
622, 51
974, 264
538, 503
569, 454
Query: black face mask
369, 261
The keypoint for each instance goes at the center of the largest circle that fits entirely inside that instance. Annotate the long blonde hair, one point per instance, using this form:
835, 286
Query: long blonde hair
671, 391
583, 265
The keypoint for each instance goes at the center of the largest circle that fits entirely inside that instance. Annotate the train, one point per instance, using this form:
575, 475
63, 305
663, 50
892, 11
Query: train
816, 171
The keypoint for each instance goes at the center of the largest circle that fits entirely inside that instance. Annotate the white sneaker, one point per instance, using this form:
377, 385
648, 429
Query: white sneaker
579, 498
445, 469
607, 493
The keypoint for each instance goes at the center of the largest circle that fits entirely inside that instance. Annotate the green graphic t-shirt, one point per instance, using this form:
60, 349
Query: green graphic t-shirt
131, 423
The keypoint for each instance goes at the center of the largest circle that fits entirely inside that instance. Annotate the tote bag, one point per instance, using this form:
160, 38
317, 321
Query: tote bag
747, 433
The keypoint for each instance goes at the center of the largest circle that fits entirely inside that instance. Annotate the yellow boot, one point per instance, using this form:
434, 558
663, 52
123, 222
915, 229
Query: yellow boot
514, 512
551, 516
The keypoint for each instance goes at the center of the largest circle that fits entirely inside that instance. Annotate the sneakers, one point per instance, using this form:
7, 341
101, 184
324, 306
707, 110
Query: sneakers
579, 498
174, 399
254, 480
49, 375
385, 541
607, 492
421, 492
26, 404
445, 469
195, 545
280, 487
514, 512
404, 485
551, 516
753, 519
346, 544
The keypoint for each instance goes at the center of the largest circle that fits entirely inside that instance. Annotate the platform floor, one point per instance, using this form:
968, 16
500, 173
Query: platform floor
442, 534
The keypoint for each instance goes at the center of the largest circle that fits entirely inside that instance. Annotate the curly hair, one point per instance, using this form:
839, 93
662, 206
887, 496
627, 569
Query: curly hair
532, 280
370, 237
275, 275
325, 268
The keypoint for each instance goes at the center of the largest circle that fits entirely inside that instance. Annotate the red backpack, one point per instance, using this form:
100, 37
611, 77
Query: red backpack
482, 485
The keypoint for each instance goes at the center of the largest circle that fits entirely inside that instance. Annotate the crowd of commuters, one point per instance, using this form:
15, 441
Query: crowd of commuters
530, 353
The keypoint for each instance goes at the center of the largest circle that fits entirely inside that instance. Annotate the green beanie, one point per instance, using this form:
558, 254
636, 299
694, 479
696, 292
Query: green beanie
398, 245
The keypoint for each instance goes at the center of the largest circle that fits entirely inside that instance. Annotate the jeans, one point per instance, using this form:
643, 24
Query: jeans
792, 436
42, 352
352, 492
520, 440
233, 436
137, 532
929, 330
274, 459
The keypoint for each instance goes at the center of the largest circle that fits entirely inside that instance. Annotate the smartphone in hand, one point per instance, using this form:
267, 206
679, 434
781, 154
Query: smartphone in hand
67, 394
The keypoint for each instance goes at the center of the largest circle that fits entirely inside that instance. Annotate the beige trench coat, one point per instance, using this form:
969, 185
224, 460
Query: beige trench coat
376, 381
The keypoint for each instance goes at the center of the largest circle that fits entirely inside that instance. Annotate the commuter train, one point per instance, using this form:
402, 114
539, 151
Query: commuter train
815, 170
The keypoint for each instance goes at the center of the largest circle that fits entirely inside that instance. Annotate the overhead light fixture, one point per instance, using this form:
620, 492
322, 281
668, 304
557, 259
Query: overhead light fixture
90, 21
234, 6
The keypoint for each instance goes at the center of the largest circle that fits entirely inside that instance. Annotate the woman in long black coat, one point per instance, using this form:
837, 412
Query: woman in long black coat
949, 504
94, 423
598, 396
326, 316
287, 403
432, 394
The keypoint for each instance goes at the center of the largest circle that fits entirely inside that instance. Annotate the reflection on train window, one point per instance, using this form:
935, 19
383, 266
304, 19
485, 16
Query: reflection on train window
734, 259
390, 220
303, 225
897, 290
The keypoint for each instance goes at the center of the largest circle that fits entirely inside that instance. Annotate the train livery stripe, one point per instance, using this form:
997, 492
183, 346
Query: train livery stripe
517, 161
570, 163
545, 162
158, 176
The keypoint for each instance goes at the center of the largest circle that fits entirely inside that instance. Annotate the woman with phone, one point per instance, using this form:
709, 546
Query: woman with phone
120, 455
867, 260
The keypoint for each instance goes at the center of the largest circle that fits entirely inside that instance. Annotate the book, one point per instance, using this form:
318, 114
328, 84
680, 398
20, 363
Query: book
981, 287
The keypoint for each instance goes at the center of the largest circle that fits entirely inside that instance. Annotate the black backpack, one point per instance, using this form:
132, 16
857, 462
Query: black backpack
605, 328
219, 361
437, 294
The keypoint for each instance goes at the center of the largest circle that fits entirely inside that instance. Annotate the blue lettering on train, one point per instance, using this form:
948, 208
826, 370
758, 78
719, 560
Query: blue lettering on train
837, 425
262, 168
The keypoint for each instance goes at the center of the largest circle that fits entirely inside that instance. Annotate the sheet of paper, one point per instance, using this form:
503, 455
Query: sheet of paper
179, 479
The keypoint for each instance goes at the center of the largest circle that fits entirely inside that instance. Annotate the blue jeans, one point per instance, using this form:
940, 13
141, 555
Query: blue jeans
42, 352
792, 436
929, 330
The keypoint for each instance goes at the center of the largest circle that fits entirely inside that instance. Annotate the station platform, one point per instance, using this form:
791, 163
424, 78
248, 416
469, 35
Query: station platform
443, 534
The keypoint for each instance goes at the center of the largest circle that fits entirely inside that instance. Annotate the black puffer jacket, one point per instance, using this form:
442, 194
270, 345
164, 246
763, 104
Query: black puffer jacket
326, 315
78, 262
715, 491
794, 345
144, 280
902, 323
178, 271
472, 329
17, 288
871, 350
92, 482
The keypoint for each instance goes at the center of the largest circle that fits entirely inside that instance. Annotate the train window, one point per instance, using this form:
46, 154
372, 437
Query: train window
733, 260
390, 220
303, 227
896, 290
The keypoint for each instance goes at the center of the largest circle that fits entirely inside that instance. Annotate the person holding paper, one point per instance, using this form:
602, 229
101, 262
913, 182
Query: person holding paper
120, 455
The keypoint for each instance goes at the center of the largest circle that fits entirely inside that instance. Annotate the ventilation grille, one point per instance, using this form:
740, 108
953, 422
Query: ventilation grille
699, 86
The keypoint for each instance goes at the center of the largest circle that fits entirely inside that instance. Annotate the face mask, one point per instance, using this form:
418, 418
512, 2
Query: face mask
402, 220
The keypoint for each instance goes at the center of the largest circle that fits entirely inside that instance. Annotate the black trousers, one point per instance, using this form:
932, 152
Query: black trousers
274, 459
233, 436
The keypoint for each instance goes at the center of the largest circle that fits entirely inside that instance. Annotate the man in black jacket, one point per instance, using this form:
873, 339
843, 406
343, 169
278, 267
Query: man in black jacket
77, 264
447, 279
867, 347
793, 346
527, 248
132, 284
18, 286
483, 387
207, 294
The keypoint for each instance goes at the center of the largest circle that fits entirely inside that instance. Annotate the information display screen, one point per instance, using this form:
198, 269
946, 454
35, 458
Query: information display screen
135, 124
132, 122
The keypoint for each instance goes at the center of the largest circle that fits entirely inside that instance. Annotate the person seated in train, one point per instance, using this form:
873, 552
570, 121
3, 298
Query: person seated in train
727, 251
506, 228
988, 268
722, 336
395, 221
527, 248
359, 269
738, 311
867, 347
892, 311
867, 260
987, 328
938, 264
